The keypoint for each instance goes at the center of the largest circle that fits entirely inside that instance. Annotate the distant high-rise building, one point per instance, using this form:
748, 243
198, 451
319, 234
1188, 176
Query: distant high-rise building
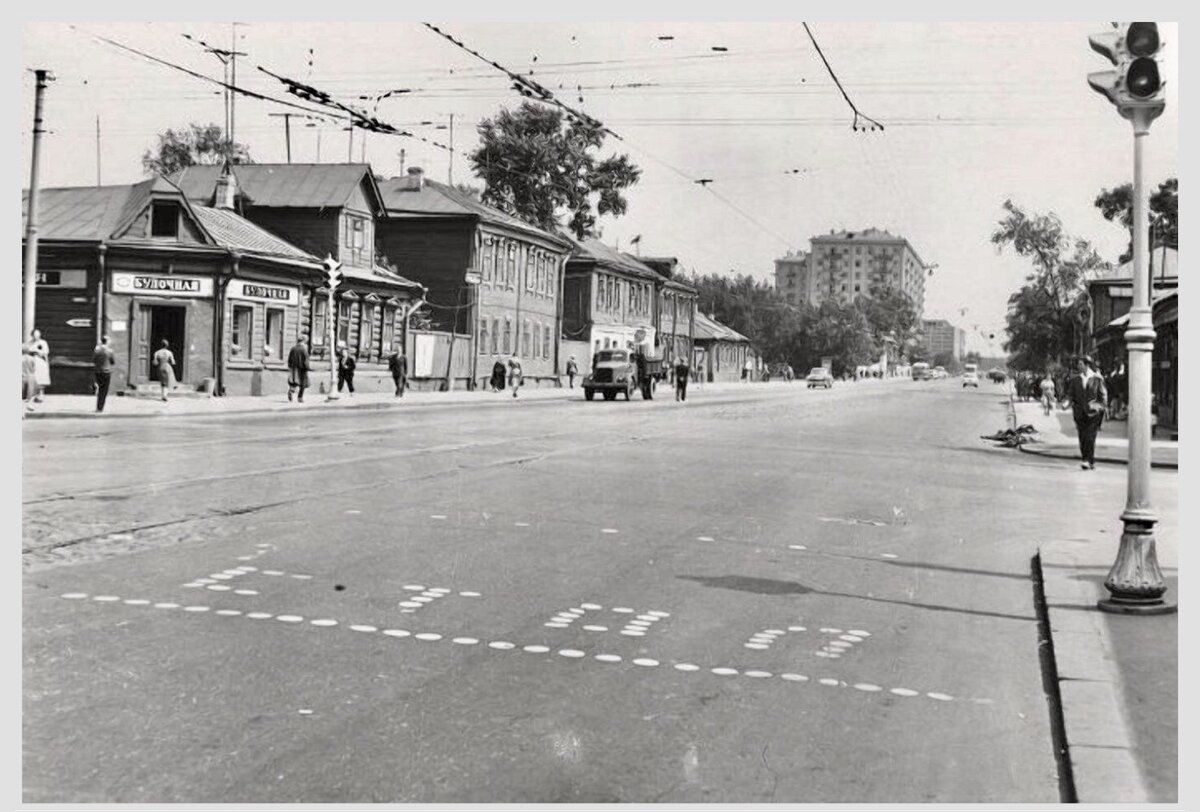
943, 337
845, 264
792, 277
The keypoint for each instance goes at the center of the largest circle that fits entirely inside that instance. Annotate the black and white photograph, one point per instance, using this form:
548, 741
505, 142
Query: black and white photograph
590, 405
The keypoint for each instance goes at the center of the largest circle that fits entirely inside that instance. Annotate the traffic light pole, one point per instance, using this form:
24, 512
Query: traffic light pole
1135, 582
333, 358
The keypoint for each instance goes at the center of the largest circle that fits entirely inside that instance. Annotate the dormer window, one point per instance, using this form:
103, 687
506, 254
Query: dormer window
164, 220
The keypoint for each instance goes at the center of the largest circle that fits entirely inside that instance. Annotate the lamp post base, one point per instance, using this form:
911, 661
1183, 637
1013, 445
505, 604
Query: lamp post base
1135, 583
1116, 607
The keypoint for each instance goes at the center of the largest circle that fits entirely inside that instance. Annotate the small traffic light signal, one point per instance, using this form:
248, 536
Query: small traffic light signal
1135, 82
333, 272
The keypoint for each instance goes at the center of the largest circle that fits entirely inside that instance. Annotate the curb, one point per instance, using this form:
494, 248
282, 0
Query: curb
1099, 742
1072, 455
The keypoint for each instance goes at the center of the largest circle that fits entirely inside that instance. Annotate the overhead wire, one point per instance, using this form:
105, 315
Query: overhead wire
838, 82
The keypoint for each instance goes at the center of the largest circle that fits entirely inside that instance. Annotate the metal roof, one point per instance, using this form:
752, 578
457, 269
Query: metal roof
610, 258
291, 186
707, 329
230, 230
405, 197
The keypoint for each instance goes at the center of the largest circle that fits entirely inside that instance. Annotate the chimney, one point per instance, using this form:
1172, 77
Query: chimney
226, 190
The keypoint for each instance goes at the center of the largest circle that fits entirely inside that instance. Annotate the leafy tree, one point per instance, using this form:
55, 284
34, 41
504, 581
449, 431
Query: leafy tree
543, 168
1116, 205
843, 332
1047, 317
470, 191
198, 144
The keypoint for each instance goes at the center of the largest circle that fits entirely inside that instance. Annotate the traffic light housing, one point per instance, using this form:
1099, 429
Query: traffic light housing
333, 272
1135, 83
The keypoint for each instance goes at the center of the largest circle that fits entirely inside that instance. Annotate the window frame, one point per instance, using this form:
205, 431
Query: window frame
343, 324
247, 349
278, 346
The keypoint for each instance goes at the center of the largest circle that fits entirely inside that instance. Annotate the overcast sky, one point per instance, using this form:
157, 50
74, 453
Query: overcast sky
974, 113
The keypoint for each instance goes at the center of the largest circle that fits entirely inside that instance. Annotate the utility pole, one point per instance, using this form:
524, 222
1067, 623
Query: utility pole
31, 229
450, 174
287, 130
97, 150
350, 145
401, 163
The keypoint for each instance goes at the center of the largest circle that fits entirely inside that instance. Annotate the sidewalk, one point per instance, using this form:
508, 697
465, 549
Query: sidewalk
1117, 674
1056, 438
192, 404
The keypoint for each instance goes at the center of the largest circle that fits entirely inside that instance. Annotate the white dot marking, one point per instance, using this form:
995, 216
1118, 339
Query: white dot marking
905, 692
74, 596
624, 610
758, 674
106, 598
888, 555
686, 667
632, 633
465, 641
797, 547
396, 632
939, 697
609, 658
501, 645
414, 587
645, 661
658, 613
195, 608
866, 686
797, 629
229, 612
554, 625
136, 601
362, 627
324, 622
794, 677
571, 652
591, 628
166, 605
859, 633
245, 592
828, 681
830, 631
591, 607
724, 672
537, 649
430, 636
756, 646
469, 594
259, 615
218, 587
609, 530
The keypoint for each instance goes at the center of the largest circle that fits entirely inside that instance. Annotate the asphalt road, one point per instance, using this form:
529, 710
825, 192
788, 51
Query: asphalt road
770, 595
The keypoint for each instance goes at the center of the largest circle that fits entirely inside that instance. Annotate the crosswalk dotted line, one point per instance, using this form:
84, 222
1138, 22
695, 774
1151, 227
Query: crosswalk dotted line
537, 648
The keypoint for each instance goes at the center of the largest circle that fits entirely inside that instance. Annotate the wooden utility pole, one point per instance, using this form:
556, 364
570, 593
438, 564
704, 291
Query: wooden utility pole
31, 217
287, 130
97, 150
450, 174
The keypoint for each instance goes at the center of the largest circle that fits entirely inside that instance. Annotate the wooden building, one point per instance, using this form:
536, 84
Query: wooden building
608, 298
721, 352
674, 309
492, 280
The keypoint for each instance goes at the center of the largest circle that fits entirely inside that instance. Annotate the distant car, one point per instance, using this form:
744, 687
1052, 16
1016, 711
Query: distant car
996, 375
819, 376
970, 379
939, 372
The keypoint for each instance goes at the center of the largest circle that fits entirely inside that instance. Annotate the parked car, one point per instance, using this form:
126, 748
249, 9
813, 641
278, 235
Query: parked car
819, 376
939, 372
970, 379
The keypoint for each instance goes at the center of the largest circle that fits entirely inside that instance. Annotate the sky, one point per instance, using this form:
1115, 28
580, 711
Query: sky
974, 113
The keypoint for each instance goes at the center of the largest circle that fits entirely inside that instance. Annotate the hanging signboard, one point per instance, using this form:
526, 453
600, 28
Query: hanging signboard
62, 279
263, 292
151, 284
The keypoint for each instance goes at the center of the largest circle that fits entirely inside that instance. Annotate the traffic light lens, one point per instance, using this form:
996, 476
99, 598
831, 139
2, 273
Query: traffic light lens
1142, 39
1143, 80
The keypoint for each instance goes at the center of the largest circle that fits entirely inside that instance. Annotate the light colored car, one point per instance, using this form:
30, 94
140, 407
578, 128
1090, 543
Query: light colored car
819, 376
970, 379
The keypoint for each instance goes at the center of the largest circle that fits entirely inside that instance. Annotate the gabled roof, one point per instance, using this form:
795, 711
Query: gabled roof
89, 213
286, 186
379, 275
610, 258
230, 230
406, 197
707, 329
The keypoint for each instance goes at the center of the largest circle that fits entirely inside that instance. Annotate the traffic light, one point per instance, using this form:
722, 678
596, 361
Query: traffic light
1135, 82
333, 272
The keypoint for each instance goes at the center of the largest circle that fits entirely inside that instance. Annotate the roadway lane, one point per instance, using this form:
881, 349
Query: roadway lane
781, 595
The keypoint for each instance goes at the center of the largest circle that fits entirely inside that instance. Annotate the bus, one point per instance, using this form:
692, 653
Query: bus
920, 371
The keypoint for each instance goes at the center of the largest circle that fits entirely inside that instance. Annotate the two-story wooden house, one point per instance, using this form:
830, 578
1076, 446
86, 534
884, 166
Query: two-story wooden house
493, 281
142, 264
675, 308
326, 210
608, 298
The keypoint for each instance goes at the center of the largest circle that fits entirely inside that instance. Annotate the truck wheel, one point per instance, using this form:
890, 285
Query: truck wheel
588, 394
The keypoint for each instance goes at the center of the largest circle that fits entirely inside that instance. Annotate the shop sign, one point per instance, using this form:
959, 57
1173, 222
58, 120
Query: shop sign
263, 292
79, 322
149, 284
62, 279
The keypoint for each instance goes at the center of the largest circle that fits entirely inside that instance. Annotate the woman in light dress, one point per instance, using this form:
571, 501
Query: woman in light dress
164, 368
41, 361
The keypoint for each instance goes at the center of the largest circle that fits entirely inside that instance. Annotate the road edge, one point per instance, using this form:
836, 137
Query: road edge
1084, 681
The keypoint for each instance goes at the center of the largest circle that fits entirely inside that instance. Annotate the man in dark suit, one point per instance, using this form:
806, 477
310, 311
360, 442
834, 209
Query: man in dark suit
1088, 398
298, 368
398, 365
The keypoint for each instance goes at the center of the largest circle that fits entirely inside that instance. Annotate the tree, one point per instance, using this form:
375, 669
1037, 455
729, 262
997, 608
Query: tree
1047, 317
842, 332
1116, 205
470, 191
537, 166
198, 144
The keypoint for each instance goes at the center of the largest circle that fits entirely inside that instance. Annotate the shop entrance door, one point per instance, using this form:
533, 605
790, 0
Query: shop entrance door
157, 323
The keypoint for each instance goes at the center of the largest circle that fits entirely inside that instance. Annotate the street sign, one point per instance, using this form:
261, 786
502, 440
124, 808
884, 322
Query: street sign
473, 278
79, 322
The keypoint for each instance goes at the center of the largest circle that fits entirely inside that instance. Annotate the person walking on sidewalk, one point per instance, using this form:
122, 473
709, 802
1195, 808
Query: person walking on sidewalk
102, 365
515, 377
1088, 397
1047, 387
572, 371
28, 377
164, 367
346, 367
681, 379
41, 359
298, 368
398, 366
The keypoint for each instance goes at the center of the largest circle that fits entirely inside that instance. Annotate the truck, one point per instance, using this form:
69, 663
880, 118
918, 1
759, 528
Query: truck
920, 371
617, 371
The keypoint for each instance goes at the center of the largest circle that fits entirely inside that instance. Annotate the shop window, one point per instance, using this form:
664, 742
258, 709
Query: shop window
243, 327
164, 220
273, 349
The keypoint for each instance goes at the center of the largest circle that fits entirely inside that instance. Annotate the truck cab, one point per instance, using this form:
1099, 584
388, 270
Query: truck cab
618, 371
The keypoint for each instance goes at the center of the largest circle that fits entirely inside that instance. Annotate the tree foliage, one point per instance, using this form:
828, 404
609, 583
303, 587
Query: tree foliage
544, 168
198, 144
1048, 316
1116, 205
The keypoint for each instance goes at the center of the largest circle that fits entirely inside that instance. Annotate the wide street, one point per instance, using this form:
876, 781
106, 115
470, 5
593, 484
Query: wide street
766, 594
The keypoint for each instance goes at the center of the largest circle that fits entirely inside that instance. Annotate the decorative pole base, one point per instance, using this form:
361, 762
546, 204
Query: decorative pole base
1135, 582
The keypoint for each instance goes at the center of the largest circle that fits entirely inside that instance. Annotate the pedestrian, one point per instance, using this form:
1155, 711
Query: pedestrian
1047, 387
515, 378
398, 366
102, 366
681, 379
346, 367
298, 368
41, 360
1088, 398
28, 377
572, 371
746, 369
164, 367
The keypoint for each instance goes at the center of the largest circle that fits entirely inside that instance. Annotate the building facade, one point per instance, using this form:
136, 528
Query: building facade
491, 278
675, 308
943, 337
846, 264
793, 278
721, 352
608, 298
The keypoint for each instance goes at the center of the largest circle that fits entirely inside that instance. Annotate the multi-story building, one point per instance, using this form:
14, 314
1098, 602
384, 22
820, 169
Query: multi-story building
845, 264
675, 308
608, 298
793, 278
943, 337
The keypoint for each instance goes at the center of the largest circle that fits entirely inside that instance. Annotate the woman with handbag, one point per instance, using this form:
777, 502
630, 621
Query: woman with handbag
1089, 399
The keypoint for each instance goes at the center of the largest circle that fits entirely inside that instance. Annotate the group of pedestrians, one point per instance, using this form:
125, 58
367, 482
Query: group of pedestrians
299, 366
511, 372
